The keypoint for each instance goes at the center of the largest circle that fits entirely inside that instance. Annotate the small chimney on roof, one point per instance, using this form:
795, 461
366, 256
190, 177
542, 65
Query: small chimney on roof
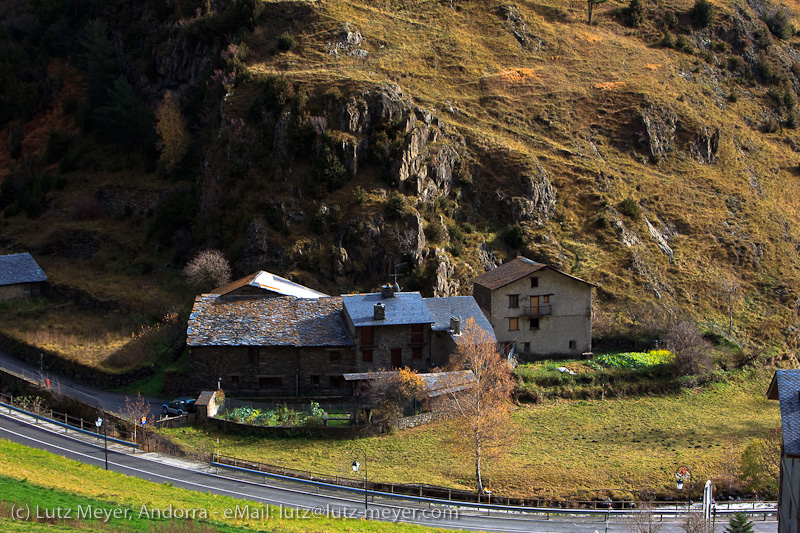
387, 291
379, 311
455, 325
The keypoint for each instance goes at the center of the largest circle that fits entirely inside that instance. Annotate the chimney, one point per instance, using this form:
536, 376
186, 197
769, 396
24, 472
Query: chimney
387, 291
379, 311
455, 325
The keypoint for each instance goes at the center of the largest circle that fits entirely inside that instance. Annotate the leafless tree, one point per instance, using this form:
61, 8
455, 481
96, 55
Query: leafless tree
695, 522
690, 348
731, 291
479, 411
135, 410
208, 270
645, 520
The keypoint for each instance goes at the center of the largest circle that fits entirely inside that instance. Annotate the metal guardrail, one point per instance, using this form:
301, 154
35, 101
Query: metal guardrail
677, 511
67, 426
42, 379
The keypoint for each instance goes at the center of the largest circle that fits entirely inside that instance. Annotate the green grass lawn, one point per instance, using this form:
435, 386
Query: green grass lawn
559, 448
34, 478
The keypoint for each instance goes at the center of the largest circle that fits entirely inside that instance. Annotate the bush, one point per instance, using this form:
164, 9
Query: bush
634, 13
395, 206
286, 42
434, 232
702, 13
630, 208
692, 351
208, 270
635, 359
514, 236
779, 24
668, 41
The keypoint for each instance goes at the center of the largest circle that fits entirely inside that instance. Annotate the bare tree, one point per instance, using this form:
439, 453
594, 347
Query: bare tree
690, 348
208, 270
136, 409
645, 520
731, 291
479, 411
590, 5
695, 523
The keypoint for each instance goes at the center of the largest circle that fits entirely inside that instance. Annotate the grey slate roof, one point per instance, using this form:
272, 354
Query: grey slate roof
785, 387
402, 308
514, 270
282, 321
464, 307
19, 268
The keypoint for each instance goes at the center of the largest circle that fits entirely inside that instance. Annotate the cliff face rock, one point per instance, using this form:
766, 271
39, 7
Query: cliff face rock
539, 203
660, 126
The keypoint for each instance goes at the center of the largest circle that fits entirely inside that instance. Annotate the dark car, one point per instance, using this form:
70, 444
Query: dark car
179, 406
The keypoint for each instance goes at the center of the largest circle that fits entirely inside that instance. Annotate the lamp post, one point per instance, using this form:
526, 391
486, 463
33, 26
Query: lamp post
99, 424
685, 473
356, 466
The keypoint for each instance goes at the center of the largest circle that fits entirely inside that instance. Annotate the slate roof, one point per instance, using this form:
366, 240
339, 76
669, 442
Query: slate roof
464, 307
785, 387
514, 270
402, 308
270, 282
281, 321
19, 268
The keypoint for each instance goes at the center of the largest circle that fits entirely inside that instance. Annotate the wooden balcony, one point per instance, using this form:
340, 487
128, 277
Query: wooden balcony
540, 310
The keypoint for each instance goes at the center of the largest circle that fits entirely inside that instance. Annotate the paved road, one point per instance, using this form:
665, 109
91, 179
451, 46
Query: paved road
112, 402
295, 500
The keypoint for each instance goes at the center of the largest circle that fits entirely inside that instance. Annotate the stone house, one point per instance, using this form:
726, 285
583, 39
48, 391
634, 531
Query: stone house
20, 276
265, 285
536, 309
286, 346
785, 387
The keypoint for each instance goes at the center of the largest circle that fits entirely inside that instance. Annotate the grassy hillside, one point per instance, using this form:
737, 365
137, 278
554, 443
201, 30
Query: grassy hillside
657, 160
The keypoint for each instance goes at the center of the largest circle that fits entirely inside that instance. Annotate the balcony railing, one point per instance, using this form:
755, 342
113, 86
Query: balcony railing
540, 310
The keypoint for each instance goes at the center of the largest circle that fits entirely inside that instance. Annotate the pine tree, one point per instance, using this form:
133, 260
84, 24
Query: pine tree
739, 524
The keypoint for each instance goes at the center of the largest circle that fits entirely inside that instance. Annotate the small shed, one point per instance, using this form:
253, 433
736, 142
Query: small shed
208, 404
20, 276
785, 387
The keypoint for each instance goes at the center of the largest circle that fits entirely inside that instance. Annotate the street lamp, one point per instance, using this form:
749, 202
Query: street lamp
356, 465
99, 424
682, 475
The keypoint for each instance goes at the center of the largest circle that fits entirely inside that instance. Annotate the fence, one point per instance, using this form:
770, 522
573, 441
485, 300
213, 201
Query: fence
53, 384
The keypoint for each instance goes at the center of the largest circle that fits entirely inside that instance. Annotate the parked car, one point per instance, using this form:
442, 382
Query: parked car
179, 406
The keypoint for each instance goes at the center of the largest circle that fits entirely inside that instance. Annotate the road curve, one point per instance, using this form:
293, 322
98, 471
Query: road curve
299, 500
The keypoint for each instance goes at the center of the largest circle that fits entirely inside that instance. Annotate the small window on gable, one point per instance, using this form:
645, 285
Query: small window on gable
513, 300
534, 283
534, 323
573, 345
513, 324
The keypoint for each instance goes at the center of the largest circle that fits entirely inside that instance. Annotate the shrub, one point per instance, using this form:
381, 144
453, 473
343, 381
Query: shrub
702, 13
630, 208
434, 232
634, 13
286, 42
692, 351
208, 270
395, 206
779, 24
668, 41
514, 236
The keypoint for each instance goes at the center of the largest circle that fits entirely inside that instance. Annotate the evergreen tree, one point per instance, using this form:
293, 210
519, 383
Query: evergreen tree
97, 60
739, 524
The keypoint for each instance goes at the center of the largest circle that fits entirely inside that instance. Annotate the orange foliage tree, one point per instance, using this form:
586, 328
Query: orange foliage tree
478, 409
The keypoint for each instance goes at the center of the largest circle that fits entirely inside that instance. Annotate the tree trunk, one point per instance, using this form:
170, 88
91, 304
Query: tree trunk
478, 478
590, 4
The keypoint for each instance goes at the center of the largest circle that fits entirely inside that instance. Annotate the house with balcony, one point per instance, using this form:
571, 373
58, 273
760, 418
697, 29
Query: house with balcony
535, 309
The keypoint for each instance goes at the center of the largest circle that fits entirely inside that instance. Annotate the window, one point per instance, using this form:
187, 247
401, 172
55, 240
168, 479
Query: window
513, 300
534, 283
314, 379
416, 333
233, 380
367, 337
573, 345
534, 323
268, 382
396, 357
513, 324
335, 356
252, 355
416, 353
366, 356
526, 347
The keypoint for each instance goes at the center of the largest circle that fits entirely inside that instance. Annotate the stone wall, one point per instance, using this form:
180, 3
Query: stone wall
417, 420
387, 338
